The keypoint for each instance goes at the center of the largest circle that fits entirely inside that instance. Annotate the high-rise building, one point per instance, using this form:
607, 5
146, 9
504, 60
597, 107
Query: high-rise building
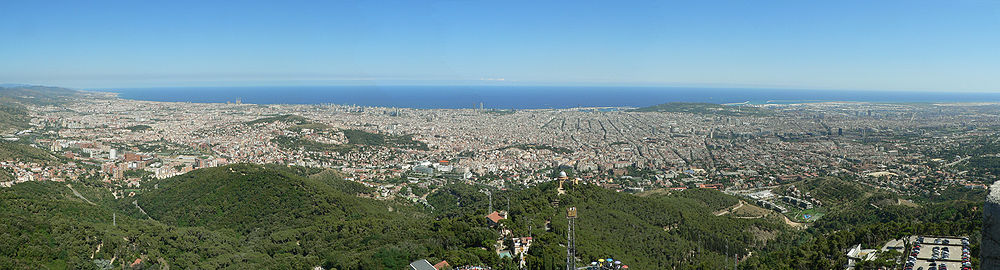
113, 154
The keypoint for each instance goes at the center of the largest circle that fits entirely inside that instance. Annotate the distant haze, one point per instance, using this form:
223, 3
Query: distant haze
884, 45
527, 97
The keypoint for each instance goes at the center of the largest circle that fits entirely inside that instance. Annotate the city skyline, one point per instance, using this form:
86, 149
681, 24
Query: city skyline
892, 45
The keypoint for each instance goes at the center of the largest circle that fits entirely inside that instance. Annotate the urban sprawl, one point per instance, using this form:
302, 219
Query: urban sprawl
404, 152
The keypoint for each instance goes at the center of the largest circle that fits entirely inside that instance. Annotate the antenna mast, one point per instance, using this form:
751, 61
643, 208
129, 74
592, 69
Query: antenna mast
571, 239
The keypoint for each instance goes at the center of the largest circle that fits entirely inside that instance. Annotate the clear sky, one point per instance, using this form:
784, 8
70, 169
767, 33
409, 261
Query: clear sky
948, 45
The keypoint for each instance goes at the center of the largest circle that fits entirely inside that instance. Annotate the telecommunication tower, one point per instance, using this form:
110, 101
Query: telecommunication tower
571, 238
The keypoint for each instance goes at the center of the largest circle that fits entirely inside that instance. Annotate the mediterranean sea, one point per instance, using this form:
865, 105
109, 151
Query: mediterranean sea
525, 97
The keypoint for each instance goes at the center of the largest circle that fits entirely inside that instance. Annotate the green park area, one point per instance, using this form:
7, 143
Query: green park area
806, 215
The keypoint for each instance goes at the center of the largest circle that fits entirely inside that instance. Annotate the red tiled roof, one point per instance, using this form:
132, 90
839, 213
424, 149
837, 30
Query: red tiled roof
495, 217
442, 265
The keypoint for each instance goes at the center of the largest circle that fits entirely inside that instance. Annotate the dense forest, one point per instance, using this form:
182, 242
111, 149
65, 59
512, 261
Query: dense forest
237, 217
240, 216
280, 217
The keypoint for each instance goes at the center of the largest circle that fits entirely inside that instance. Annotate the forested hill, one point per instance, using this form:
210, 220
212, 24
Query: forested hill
264, 202
247, 197
675, 231
279, 217
233, 217
863, 215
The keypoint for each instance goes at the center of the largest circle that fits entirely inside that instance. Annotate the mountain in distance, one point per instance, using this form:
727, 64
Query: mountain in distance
13, 98
38, 95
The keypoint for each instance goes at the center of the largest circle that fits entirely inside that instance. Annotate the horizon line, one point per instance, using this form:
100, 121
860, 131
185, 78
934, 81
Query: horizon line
507, 83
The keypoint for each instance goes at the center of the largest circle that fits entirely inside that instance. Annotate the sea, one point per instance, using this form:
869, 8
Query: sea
527, 97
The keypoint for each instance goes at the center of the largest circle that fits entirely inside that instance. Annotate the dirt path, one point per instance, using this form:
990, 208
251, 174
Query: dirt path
428, 193
792, 223
738, 206
163, 264
730, 209
136, 203
77, 193
98, 250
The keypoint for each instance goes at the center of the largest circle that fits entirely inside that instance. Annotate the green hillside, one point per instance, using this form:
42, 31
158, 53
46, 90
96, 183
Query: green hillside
288, 118
44, 226
656, 232
312, 216
19, 151
13, 116
335, 179
233, 217
277, 217
24, 152
834, 191
248, 197
361, 137
354, 137
862, 215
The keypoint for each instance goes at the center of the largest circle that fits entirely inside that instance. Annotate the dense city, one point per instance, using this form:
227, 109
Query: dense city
890, 146
767, 155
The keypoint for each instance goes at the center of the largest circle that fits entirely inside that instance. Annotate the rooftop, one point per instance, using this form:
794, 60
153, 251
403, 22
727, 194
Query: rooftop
421, 265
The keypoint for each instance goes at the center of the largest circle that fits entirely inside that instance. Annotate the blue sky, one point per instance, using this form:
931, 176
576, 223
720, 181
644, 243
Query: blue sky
880, 45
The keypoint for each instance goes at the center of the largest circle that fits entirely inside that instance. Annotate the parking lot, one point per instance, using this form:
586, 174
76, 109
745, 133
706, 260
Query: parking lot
931, 253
